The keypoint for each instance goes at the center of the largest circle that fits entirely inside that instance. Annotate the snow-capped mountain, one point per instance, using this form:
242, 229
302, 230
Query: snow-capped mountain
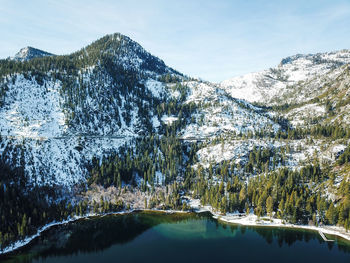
28, 53
57, 115
79, 106
99, 98
281, 84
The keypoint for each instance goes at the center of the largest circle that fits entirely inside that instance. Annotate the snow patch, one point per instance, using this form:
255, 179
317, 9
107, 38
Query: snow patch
168, 120
155, 87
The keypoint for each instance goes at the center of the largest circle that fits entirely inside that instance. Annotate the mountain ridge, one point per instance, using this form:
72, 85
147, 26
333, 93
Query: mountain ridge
117, 70
269, 85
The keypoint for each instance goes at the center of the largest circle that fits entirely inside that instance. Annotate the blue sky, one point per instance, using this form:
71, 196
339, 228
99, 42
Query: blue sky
214, 40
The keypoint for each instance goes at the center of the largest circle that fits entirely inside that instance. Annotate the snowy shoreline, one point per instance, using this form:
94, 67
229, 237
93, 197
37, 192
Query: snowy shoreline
253, 220
21, 243
234, 218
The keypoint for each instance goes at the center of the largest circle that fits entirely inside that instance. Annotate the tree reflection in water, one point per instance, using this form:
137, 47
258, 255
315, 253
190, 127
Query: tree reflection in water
98, 234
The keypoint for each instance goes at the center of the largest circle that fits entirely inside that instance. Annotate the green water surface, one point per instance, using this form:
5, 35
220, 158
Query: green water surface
159, 237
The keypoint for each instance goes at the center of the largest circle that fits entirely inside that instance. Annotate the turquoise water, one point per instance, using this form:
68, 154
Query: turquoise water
158, 237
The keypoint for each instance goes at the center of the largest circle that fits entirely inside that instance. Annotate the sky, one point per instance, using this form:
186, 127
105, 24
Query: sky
212, 40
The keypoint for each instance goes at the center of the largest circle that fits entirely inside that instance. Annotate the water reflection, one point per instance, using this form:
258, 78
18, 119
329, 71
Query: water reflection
288, 236
100, 234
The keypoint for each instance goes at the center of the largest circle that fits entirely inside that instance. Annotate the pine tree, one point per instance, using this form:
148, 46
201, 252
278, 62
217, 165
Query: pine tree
242, 195
331, 214
247, 209
269, 206
281, 209
24, 225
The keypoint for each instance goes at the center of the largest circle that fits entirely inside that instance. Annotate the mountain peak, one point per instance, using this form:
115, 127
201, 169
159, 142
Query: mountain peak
126, 52
27, 53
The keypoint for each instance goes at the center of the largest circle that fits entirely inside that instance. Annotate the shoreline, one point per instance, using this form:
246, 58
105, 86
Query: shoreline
21, 243
252, 220
234, 218
328, 230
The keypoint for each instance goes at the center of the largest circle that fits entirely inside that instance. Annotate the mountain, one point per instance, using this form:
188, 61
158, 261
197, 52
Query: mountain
111, 127
292, 81
322, 103
108, 89
28, 53
113, 88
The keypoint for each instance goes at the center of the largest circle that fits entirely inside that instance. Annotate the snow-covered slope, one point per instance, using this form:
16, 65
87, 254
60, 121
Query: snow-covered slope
281, 84
218, 114
321, 101
35, 134
31, 109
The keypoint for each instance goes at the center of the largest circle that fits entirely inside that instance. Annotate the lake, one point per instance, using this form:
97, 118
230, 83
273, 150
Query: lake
160, 237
